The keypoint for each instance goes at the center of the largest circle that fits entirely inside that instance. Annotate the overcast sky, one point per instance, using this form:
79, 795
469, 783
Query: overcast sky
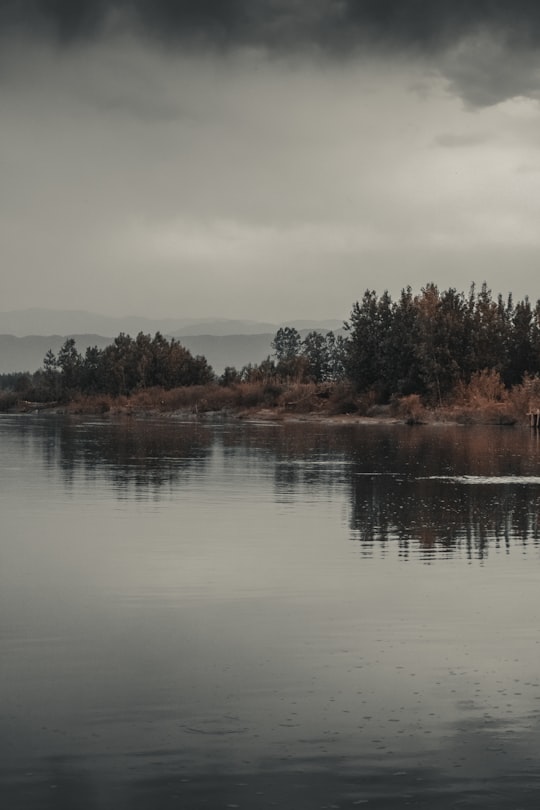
265, 159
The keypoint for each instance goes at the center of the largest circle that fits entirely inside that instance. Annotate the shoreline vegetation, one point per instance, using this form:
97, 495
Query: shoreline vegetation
439, 356
484, 401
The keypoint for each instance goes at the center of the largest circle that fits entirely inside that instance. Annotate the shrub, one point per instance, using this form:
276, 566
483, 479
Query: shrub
410, 408
485, 386
271, 394
343, 399
8, 401
97, 404
300, 398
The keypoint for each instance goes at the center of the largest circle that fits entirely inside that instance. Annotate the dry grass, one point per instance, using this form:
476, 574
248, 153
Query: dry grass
526, 396
97, 404
495, 414
193, 399
485, 387
300, 398
294, 397
411, 409
484, 401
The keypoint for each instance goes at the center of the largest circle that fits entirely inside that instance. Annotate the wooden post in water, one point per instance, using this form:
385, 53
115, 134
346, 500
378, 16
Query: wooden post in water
534, 418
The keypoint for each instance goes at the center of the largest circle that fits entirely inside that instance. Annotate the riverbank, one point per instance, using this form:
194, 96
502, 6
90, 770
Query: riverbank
332, 403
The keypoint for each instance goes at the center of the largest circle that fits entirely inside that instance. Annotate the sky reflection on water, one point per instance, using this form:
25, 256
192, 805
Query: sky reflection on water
218, 614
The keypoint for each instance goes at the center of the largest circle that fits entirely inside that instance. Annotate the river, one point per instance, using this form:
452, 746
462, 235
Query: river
219, 614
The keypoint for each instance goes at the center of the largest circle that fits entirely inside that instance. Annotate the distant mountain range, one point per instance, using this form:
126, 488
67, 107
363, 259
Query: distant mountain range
27, 353
27, 335
24, 322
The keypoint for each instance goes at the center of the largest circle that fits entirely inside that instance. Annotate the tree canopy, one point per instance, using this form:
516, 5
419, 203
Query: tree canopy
126, 365
428, 343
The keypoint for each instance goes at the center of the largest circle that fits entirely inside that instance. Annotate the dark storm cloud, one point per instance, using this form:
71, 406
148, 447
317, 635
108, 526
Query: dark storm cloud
58, 18
68, 21
434, 24
329, 24
486, 49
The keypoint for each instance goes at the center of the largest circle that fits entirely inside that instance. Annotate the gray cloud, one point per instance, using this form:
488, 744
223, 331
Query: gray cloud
410, 23
224, 181
276, 152
453, 140
487, 49
485, 70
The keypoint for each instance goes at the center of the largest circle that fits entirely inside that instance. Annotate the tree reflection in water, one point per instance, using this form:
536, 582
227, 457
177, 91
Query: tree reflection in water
438, 490
432, 489
144, 457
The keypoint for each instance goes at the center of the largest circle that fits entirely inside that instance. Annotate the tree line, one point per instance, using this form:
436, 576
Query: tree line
426, 344
133, 364
318, 357
126, 365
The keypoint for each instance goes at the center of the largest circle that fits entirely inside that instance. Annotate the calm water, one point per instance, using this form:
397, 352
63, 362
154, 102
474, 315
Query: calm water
213, 615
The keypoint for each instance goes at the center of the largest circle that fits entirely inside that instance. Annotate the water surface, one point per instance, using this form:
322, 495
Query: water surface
199, 614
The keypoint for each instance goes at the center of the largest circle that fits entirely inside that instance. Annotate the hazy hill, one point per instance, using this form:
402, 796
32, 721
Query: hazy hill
27, 335
219, 327
230, 350
26, 322
70, 322
27, 353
